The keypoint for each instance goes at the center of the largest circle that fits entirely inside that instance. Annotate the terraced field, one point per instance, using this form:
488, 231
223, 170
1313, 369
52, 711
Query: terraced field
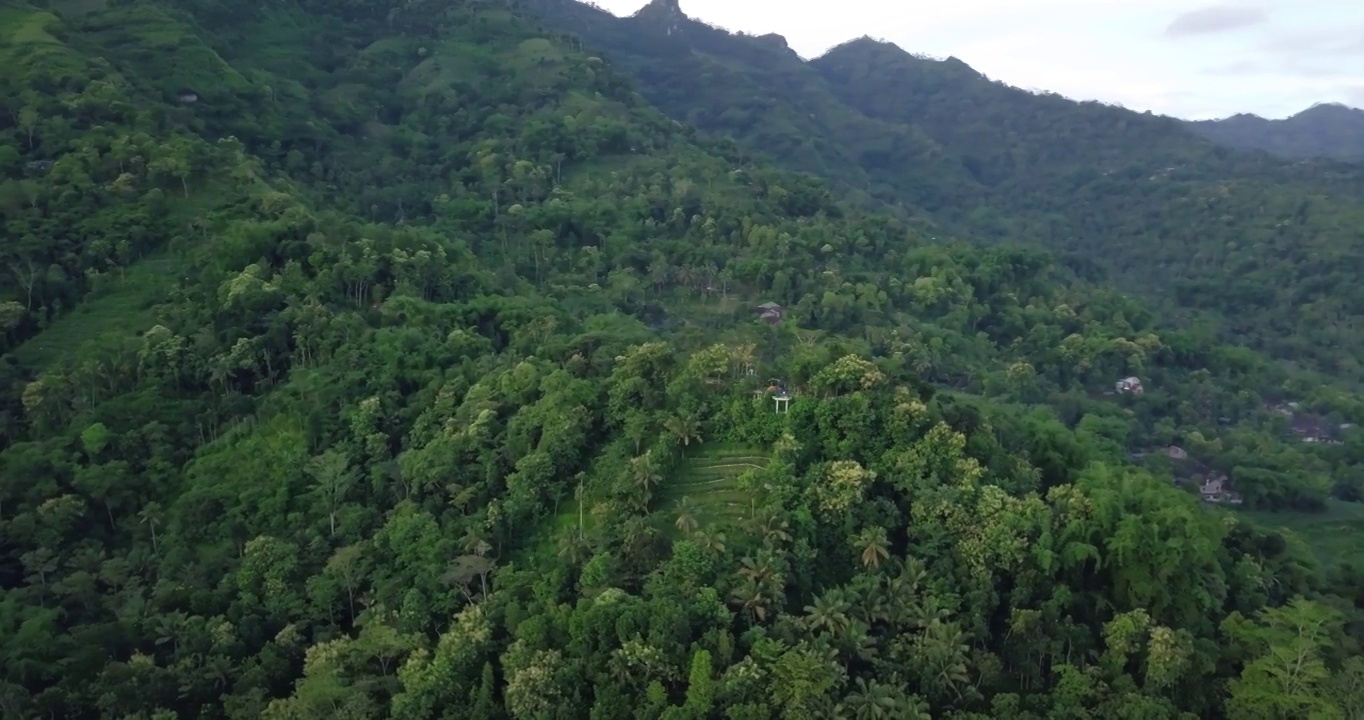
710, 479
123, 307
1334, 536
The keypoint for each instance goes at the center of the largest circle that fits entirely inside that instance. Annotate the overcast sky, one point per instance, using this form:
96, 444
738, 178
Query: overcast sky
1186, 58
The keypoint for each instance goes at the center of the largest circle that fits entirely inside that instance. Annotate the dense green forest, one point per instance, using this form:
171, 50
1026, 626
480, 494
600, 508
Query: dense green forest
1327, 130
1266, 250
392, 358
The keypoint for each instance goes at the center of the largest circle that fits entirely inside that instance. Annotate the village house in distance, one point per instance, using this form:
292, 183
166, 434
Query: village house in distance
1213, 485
770, 313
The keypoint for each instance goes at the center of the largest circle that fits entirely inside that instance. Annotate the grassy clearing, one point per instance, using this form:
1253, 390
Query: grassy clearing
123, 306
125, 300
1333, 536
709, 477
28, 43
152, 46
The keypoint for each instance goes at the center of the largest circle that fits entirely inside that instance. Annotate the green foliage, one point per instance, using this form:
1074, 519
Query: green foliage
441, 391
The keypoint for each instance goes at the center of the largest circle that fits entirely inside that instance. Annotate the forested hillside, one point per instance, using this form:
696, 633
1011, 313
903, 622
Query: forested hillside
1266, 249
1327, 130
396, 359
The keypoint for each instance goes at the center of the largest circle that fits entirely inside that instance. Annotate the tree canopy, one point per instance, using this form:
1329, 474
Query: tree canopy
399, 359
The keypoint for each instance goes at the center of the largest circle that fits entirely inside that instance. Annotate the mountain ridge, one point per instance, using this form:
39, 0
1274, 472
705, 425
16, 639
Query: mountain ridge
1202, 128
1324, 130
1117, 193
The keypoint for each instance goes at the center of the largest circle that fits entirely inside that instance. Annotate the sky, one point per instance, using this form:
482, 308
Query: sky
1193, 59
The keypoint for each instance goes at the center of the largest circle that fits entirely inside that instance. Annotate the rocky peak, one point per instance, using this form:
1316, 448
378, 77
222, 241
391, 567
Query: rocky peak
667, 14
775, 39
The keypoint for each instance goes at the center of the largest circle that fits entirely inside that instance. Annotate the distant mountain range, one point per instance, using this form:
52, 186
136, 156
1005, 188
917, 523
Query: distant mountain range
1328, 130
1266, 246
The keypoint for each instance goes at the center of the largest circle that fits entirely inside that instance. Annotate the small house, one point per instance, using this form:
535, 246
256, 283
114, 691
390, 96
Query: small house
1214, 490
187, 97
770, 313
1312, 429
1177, 453
1213, 485
1128, 385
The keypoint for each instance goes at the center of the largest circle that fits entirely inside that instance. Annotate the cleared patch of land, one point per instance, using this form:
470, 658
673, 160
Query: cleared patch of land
123, 306
709, 479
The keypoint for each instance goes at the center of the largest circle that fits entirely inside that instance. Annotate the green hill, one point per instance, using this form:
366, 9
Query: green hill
359, 354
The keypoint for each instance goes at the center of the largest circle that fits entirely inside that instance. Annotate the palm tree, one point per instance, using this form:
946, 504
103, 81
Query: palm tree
874, 545
686, 428
644, 472
686, 516
856, 640
912, 575
637, 502
941, 653
771, 528
744, 356
921, 613
711, 542
753, 569
750, 595
828, 614
150, 516
877, 701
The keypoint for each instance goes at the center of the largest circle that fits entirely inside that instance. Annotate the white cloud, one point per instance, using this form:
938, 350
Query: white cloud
1215, 19
1296, 53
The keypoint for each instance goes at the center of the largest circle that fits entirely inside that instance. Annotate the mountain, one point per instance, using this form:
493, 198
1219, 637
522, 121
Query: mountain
758, 91
1262, 248
397, 358
1327, 130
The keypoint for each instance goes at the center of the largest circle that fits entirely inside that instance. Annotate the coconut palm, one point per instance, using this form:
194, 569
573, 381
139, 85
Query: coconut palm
828, 614
644, 473
877, 701
686, 428
151, 517
874, 546
752, 597
771, 528
686, 515
744, 356
710, 542
758, 570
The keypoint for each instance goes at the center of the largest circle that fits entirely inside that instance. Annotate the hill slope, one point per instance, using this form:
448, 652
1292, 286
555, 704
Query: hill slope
452, 309
1264, 248
1321, 131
